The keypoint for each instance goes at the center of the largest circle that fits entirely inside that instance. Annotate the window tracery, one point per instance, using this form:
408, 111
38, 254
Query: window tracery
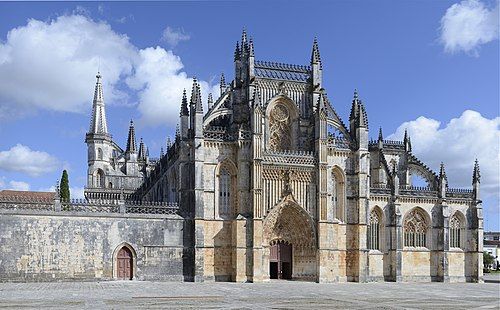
225, 203
415, 229
280, 129
455, 232
374, 225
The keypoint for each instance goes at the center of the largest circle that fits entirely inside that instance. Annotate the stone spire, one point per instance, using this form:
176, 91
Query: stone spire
442, 173
476, 175
380, 138
407, 141
244, 42
476, 180
237, 52
142, 150
184, 104
315, 56
98, 123
131, 145
354, 106
358, 116
363, 117
196, 97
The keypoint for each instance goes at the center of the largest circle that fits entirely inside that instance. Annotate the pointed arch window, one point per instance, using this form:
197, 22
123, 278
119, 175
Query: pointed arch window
225, 188
99, 178
374, 228
456, 232
415, 229
338, 194
99, 154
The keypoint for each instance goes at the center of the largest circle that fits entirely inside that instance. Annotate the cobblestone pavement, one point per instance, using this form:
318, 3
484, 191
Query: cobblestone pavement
273, 295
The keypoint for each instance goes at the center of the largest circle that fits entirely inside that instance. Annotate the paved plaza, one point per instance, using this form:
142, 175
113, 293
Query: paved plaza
273, 295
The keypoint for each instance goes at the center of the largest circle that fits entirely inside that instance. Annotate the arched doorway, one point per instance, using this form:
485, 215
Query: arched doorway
280, 260
289, 243
124, 264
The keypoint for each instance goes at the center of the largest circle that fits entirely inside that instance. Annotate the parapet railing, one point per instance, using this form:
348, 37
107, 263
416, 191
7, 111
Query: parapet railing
421, 191
82, 205
338, 142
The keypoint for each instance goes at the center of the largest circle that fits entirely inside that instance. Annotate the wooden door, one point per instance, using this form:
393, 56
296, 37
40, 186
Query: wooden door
124, 263
280, 261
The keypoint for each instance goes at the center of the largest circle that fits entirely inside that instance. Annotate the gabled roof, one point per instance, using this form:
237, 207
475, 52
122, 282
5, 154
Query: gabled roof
27, 194
281, 71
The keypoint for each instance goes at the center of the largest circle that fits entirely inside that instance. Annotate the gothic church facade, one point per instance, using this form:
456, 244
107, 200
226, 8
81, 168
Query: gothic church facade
272, 183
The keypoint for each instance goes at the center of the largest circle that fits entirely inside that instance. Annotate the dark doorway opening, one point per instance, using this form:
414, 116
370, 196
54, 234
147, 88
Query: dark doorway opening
124, 264
280, 260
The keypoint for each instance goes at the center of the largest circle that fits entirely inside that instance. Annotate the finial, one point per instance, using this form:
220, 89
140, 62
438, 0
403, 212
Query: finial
237, 52
210, 100
380, 136
315, 56
243, 36
355, 94
251, 48
222, 80
476, 176
442, 173
184, 104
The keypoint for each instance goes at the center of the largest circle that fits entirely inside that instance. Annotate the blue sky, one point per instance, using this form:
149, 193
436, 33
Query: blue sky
429, 66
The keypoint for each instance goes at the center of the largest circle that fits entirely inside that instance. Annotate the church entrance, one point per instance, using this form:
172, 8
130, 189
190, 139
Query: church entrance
280, 260
124, 264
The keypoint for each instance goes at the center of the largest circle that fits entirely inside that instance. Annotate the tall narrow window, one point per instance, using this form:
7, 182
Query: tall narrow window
415, 229
225, 205
338, 194
99, 154
99, 178
455, 232
374, 231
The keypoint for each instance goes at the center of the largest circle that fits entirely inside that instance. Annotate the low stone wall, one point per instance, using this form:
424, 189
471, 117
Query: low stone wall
51, 246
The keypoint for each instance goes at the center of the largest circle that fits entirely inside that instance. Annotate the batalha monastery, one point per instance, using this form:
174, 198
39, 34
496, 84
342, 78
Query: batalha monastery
267, 183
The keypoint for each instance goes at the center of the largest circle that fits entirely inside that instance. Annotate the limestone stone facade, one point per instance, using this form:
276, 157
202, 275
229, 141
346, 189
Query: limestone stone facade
271, 162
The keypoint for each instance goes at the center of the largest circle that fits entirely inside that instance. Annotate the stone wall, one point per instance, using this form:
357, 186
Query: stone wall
51, 246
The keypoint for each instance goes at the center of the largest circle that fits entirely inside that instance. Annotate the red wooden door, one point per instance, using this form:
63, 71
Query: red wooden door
280, 261
124, 262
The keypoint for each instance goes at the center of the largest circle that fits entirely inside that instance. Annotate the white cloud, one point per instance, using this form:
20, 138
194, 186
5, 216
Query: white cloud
174, 36
458, 143
467, 25
51, 65
21, 158
159, 81
14, 185
19, 186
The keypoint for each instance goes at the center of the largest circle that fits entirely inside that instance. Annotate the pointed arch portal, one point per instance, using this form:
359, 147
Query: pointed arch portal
289, 242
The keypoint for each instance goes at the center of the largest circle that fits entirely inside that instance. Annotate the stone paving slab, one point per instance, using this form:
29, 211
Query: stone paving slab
273, 295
